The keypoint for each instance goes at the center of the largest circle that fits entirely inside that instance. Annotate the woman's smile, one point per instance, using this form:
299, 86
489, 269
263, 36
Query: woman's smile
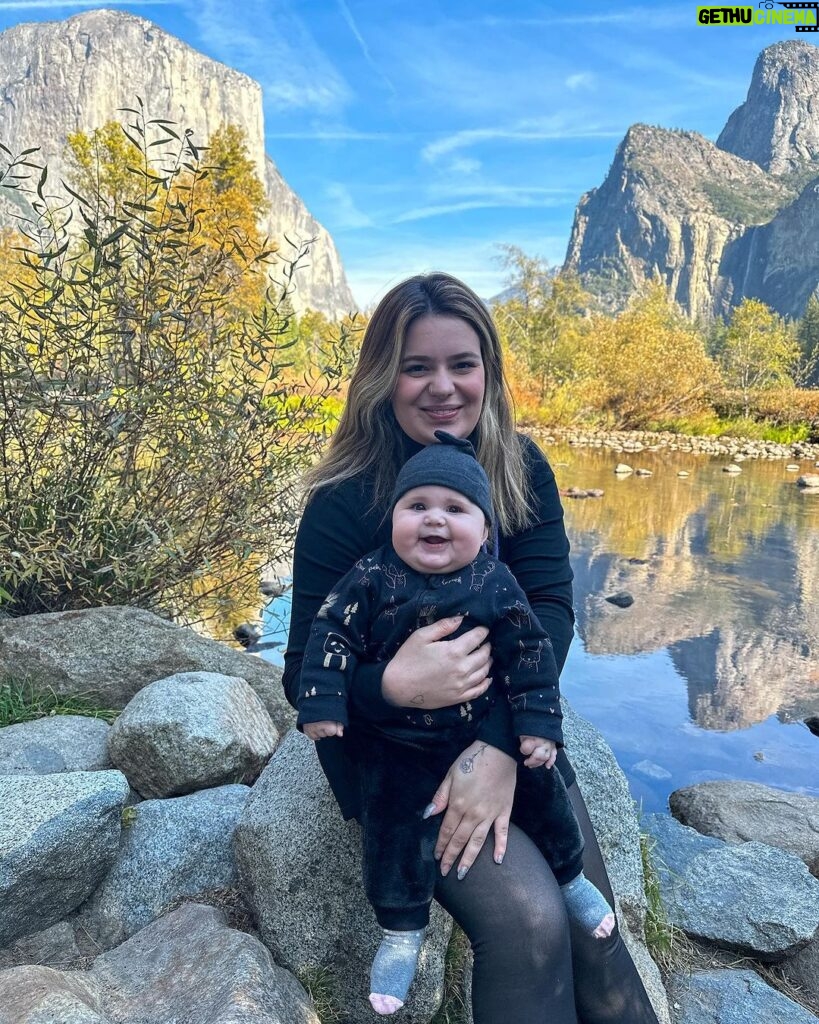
441, 381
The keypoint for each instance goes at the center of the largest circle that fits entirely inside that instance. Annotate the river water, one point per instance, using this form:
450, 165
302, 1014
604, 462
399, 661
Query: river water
710, 673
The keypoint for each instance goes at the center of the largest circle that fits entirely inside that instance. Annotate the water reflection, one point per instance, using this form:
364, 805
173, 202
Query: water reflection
722, 570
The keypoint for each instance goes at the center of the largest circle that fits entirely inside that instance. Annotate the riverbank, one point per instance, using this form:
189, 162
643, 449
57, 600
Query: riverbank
646, 440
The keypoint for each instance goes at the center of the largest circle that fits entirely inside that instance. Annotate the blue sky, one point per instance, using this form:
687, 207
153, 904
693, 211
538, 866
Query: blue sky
424, 133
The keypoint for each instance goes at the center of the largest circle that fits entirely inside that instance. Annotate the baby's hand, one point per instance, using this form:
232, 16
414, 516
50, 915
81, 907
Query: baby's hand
320, 730
538, 751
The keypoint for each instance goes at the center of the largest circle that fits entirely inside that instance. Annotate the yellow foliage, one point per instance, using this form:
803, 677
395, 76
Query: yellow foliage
646, 364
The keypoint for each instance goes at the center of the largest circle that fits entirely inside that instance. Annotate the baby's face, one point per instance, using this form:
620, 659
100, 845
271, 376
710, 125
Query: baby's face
437, 530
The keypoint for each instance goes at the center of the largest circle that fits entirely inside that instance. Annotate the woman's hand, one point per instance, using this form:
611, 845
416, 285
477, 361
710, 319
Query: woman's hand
477, 793
428, 671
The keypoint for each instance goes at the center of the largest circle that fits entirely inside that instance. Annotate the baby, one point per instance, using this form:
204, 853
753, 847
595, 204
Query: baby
437, 566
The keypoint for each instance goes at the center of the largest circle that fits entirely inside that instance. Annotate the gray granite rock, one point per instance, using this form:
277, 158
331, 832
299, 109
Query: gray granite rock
41, 995
749, 897
170, 849
300, 870
731, 997
192, 731
53, 947
741, 811
803, 969
190, 967
186, 968
611, 809
58, 837
113, 652
59, 743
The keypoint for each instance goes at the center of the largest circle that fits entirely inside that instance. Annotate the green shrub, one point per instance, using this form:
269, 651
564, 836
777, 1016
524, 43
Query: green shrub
151, 442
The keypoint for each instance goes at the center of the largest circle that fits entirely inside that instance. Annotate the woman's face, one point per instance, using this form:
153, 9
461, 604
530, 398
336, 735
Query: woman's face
441, 382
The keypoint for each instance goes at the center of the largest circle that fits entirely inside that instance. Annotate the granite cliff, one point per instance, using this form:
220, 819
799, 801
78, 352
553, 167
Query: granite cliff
716, 222
70, 75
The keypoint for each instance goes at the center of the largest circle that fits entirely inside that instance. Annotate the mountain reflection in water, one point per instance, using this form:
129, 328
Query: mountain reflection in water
712, 669
710, 672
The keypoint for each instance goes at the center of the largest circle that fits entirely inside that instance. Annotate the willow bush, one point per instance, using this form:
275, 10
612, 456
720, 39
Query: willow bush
151, 443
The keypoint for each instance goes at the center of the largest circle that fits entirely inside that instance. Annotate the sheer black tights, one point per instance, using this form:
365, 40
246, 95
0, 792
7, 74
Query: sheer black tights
514, 917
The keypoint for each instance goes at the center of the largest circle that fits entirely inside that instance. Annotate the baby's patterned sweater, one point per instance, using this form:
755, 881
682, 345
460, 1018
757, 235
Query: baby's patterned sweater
381, 601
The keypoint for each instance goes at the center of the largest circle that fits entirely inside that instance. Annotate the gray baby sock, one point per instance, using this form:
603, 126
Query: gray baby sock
393, 969
587, 905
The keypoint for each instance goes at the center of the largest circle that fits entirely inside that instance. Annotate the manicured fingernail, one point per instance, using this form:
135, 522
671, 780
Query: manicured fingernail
429, 809
437, 855
499, 858
462, 873
445, 869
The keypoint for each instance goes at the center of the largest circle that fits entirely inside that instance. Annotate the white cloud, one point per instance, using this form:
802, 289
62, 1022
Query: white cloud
347, 14
581, 80
523, 131
500, 199
345, 212
270, 42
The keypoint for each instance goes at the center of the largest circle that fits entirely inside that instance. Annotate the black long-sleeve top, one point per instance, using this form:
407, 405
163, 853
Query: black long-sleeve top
382, 601
342, 523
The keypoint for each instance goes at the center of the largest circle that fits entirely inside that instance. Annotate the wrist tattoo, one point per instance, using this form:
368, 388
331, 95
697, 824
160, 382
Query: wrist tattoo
418, 700
467, 764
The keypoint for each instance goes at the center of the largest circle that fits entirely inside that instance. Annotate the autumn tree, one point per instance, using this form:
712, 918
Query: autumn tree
151, 445
807, 334
542, 319
759, 351
647, 364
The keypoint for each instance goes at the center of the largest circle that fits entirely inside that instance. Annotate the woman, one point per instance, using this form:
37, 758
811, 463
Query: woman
431, 360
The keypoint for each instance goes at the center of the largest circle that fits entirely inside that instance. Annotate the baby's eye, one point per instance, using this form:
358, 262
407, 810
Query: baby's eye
454, 509
418, 506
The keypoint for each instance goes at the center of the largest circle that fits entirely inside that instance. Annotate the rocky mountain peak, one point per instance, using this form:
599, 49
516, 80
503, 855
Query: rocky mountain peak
75, 75
715, 223
778, 124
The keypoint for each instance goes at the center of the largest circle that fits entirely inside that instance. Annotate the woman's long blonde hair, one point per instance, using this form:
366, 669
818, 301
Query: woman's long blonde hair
368, 440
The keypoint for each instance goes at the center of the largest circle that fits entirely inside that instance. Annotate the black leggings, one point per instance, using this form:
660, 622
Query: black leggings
524, 968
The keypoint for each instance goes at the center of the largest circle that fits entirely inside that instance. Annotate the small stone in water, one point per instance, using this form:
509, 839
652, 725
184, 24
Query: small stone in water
792, 467
733, 468
683, 472
622, 599
643, 472
759, 756
622, 469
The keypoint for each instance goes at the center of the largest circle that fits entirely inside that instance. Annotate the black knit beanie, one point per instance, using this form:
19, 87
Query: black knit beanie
452, 464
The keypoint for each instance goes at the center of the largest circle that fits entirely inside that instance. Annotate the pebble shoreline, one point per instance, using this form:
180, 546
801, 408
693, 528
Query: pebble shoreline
651, 441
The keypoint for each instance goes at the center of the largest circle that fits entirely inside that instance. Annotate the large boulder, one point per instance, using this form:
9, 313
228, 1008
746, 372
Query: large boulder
750, 897
188, 966
58, 837
170, 849
192, 731
59, 743
611, 809
802, 969
300, 870
741, 811
42, 995
113, 652
55, 946
731, 997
